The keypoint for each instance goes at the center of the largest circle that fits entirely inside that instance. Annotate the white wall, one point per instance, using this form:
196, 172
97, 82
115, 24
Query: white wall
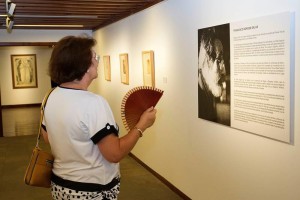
10, 96
35, 35
202, 159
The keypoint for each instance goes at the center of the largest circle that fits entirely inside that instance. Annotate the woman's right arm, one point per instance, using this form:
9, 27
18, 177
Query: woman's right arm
114, 149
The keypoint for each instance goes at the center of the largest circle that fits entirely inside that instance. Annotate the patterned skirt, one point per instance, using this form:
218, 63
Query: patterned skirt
62, 190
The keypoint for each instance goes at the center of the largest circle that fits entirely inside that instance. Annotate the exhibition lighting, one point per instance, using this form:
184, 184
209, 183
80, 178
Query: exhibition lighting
60, 16
50, 25
9, 24
10, 9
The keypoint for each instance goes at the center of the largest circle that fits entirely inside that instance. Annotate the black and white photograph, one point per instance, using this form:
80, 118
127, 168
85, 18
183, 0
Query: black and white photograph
214, 74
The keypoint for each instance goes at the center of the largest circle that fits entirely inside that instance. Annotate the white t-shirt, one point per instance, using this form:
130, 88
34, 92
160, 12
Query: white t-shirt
75, 121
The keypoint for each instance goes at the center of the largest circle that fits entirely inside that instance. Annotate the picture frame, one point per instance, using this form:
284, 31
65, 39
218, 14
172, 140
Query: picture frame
124, 68
24, 71
107, 67
148, 68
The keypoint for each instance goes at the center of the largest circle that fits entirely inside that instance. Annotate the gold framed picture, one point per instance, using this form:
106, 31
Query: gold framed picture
24, 71
107, 68
148, 68
124, 68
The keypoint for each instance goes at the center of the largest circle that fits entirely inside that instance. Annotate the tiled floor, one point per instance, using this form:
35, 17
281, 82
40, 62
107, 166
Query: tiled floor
136, 184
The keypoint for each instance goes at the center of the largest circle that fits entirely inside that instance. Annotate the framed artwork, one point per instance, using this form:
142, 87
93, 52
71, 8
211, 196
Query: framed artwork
124, 68
24, 71
148, 68
107, 69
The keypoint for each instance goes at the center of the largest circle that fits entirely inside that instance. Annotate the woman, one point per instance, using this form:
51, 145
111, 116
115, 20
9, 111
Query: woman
80, 127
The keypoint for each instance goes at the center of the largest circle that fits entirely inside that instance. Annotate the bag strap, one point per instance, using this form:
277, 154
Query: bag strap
42, 116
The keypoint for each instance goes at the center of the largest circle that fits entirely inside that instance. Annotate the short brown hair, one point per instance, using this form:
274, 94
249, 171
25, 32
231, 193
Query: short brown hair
71, 58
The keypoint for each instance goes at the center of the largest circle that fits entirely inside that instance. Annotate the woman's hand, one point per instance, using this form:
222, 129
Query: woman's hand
114, 148
147, 119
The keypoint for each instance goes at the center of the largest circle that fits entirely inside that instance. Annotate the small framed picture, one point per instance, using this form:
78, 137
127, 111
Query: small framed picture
24, 71
124, 68
148, 68
107, 69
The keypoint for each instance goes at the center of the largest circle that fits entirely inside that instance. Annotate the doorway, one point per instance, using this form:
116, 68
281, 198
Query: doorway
17, 44
1, 124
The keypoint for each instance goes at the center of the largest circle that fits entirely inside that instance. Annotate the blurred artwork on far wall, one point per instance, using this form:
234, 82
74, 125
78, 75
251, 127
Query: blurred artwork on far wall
24, 71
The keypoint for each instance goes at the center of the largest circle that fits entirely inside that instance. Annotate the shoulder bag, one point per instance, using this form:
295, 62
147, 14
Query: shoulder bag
39, 169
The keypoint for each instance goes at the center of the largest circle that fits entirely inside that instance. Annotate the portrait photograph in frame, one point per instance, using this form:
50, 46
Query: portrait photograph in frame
124, 68
24, 71
107, 68
148, 68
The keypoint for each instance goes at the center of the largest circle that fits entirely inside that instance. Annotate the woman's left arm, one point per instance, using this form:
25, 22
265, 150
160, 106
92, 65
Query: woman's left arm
45, 135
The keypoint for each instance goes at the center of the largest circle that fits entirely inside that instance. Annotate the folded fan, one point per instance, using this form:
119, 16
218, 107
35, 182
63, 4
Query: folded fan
136, 101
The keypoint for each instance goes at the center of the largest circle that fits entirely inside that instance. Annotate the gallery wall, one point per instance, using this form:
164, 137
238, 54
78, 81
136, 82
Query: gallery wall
203, 159
10, 96
36, 35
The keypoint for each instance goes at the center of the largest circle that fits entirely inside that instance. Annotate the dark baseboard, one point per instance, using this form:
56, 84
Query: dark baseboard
162, 179
22, 105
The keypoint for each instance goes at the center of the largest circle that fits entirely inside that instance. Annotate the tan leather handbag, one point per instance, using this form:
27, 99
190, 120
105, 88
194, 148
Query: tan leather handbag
39, 170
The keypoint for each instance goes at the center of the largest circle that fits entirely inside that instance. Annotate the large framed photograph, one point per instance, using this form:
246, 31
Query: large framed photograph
253, 91
124, 68
24, 71
107, 68
148, 68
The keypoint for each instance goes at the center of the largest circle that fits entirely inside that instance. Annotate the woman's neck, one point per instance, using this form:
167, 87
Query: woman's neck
75, 85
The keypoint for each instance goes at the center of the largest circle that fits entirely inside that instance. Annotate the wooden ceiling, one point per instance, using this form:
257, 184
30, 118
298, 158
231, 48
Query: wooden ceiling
91, 14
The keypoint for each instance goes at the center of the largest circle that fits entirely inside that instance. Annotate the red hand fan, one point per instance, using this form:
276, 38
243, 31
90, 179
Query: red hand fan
136, 101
